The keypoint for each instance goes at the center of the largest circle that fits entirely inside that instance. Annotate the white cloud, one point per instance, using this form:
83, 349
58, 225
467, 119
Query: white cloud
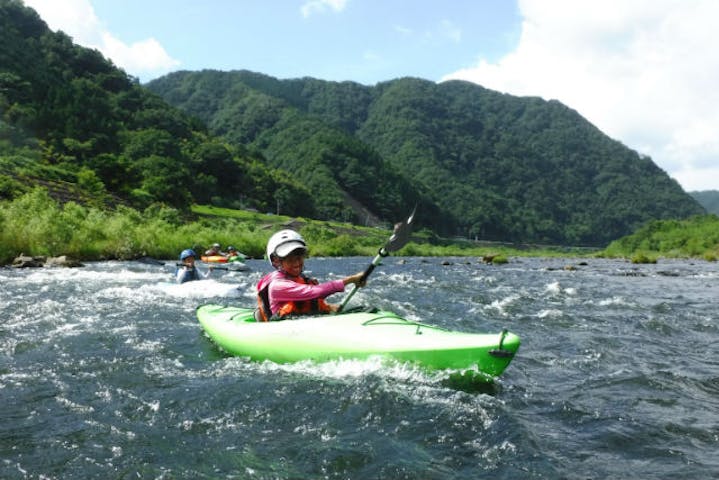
643, 71
319, 6
144, 56
77, 19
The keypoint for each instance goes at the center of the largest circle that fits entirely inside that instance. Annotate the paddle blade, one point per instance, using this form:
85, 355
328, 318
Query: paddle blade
400, 235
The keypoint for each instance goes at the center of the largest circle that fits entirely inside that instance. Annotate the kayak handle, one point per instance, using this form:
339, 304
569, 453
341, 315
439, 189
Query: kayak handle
501, 352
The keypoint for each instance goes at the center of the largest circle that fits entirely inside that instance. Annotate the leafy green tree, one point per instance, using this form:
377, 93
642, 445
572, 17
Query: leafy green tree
164, 179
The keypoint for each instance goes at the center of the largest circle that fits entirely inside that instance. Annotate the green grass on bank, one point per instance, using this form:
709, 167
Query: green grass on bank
35, 224
695, 237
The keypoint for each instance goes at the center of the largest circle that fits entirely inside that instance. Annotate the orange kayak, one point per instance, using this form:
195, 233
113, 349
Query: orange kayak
214, 258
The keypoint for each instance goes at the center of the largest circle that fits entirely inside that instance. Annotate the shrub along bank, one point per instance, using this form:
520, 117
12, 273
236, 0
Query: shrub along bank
36, 224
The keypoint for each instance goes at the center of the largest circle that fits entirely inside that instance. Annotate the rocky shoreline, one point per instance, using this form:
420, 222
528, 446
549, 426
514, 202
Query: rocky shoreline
26, 261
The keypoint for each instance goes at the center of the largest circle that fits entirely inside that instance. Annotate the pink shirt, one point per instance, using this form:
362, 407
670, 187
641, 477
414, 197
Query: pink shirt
283, 289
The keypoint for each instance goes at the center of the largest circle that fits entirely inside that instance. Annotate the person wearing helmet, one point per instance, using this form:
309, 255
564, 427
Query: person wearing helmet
214, 251
287, 291
233, 254
186, 269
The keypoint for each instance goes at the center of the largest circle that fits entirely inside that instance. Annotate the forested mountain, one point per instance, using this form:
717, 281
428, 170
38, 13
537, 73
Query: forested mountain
495, 166
478, 163
709, 199
70, 120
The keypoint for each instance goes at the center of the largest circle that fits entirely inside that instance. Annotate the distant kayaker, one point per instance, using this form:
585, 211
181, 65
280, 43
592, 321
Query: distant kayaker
287, 291
186, 270
232, 253
215, 250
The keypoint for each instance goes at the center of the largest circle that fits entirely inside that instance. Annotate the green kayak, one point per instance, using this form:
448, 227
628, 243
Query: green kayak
356, 335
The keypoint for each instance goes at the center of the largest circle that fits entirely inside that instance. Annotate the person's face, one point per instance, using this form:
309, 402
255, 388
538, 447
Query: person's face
293, 263
189, 261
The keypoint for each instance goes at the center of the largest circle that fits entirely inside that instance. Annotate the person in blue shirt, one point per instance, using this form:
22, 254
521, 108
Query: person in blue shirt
186, 270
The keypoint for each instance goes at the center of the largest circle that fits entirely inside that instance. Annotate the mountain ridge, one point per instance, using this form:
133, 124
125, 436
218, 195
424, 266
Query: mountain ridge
495, 166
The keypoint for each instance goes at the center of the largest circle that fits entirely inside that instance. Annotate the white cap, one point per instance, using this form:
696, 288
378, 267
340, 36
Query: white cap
288, 247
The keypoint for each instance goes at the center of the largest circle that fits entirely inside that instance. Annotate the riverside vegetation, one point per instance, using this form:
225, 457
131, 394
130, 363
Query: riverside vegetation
695, 237
36, 224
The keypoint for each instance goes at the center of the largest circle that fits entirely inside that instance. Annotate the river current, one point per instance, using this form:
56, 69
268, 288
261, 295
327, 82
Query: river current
106, 374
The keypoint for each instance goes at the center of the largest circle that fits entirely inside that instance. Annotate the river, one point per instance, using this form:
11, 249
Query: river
105, 373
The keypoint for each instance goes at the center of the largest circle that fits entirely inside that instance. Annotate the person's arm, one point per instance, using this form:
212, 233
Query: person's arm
285, 290
207, 273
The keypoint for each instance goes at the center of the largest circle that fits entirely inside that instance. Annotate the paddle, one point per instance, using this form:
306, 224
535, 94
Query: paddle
400, 236
209, 267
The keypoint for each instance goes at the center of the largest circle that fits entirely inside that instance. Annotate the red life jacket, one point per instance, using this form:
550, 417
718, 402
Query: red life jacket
263, 313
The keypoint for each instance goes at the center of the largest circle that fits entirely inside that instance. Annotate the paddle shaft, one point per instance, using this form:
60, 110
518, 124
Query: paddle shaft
209, 267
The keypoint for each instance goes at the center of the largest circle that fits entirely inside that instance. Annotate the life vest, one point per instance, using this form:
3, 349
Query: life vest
186, 274
263, 313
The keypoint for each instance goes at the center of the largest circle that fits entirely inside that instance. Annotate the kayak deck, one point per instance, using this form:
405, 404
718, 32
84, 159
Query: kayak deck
355, 335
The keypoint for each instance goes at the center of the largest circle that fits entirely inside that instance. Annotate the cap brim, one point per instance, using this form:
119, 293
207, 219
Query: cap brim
289, 247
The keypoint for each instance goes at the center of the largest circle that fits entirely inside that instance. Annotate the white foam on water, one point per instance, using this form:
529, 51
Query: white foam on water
164, 367
104, 394
485, 279
36, 313
66, 330
8, 347
550, 313
418, 385
144, 345
120, 274
198, 289
139, 295
73, 406
416, 280
352, 368
217, 423
614, 301
553, 288
492, 455
500, 306
16, 379
128, 434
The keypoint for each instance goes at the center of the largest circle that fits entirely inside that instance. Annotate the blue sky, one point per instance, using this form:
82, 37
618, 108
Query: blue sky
367, 41
643, 71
